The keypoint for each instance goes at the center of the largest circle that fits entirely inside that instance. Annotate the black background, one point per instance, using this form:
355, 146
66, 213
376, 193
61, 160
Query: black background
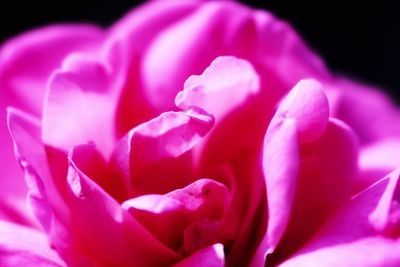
357, 38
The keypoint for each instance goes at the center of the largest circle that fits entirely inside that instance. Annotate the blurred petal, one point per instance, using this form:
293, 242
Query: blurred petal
327, 172
282, 51
25, 131
308, 106
350, 103
133, 34
376, 160
27, 61
22, 246
12, 185
354, 236
280, 150
44, 193
106, 231
212, 256
84, 95
193, 40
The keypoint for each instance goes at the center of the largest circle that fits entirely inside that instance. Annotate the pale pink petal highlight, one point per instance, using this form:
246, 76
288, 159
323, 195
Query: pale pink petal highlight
23, 246
227, 78
84, 95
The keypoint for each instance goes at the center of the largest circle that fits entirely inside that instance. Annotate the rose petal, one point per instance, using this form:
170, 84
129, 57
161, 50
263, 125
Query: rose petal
156, 150
192, 53
25, 64
212, 256
349, 239
23, 246
43, 192
85, 95
301, 117
350, 100
133, 34
107, 232
283, 52
227, 78
27, 61
203, 199
376, 160
327, 172
308, 105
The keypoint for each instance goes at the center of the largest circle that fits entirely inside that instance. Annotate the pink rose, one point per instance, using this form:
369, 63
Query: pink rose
192, 134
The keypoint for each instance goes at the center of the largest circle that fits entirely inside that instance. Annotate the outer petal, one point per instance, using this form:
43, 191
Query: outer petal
107, 232
297, 167
377, 159
302, 117
212, 256
350, 100
27, 61
281, 150
84, 93
12, 186
44, 193
234, 82
25, 64
193, 52
133, 34
25, 131
360, 234
22, 246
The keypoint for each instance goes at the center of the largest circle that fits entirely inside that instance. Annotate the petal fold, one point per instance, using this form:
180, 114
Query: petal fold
158, 149
227, 78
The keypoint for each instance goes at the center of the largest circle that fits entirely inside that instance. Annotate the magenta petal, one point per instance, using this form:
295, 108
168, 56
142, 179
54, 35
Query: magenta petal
156, 150
212, 256
308, 105
376, 160
27, 61
354, 236
193, 41
43, 193
280, 165
227, 79
22, 246
105, 230
84, 94
351, 100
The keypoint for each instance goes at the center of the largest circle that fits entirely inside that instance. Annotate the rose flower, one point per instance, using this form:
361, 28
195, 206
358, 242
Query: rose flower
191, 134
